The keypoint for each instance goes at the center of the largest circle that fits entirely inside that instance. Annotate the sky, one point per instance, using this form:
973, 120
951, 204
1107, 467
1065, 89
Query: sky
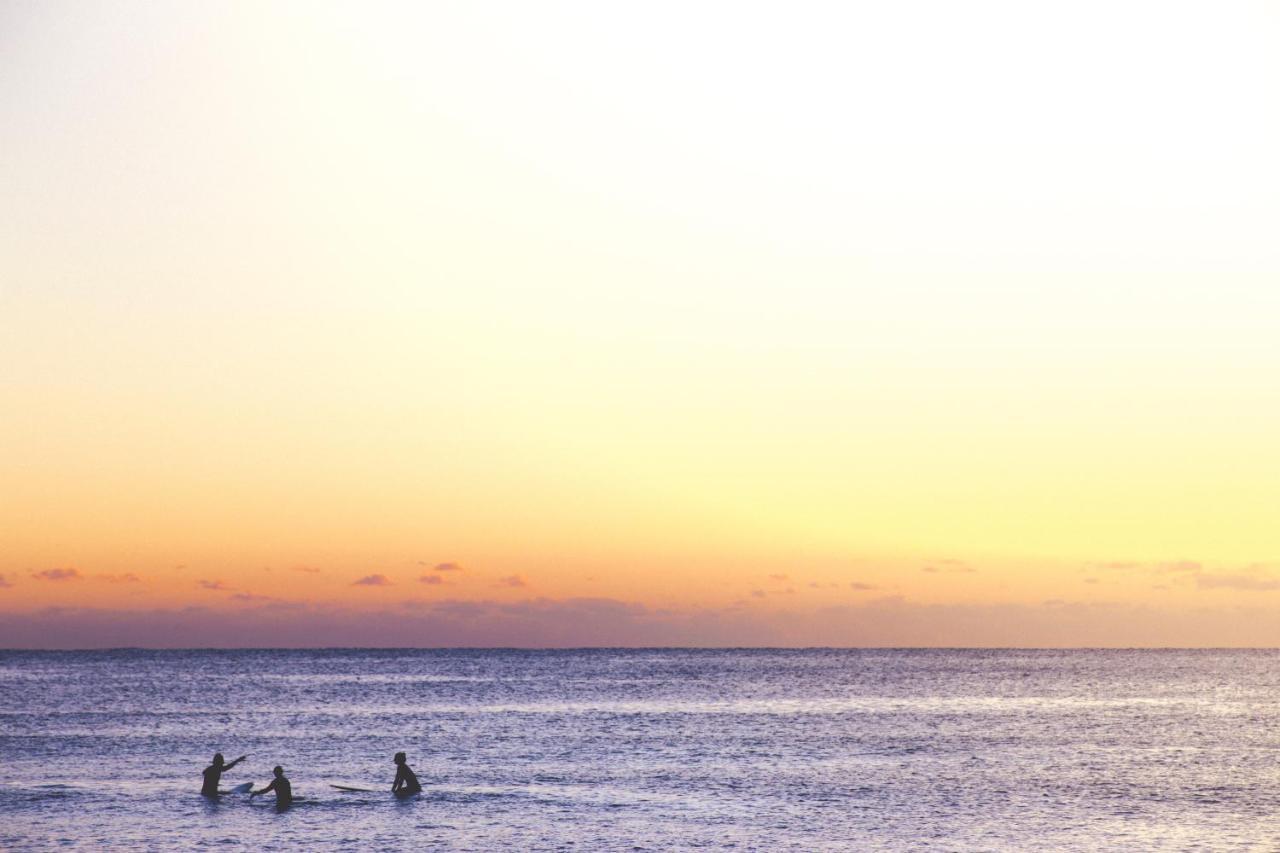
568, 324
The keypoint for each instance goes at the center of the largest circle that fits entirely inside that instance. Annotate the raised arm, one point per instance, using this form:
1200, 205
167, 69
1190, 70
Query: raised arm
227, 767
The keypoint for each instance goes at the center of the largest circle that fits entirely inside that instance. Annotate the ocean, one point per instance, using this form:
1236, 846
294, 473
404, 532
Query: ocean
635, 750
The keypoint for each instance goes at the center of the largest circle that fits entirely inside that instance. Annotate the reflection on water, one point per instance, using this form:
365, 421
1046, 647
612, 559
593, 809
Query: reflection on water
765, 750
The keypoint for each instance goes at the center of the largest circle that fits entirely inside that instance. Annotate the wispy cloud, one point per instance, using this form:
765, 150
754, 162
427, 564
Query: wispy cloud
372, 580
67, 574
433, 580
311, 570
127, 577
1237, 581
214, 585
778, 578
447, 567
249, 597
862, 587
762, 593
1169, 566
513, 581
950, 567
5, 582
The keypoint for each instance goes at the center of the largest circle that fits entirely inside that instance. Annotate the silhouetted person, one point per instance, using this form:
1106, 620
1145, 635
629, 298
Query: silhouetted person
284, 791
406, 783
213, 774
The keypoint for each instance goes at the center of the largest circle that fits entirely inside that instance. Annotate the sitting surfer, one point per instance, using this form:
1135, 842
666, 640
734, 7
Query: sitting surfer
213, 774
406, 784
284, 791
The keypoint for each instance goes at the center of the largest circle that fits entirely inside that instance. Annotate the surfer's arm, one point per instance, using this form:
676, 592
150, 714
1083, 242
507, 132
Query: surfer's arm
270, 787
227, 767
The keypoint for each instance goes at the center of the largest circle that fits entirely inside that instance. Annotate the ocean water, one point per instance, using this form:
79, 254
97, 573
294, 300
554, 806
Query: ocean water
647, 749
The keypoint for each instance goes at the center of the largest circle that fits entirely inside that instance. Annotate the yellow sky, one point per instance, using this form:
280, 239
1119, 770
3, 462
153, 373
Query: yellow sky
781, 307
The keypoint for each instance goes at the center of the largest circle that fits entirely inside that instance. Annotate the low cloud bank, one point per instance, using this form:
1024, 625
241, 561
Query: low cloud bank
573, 622
58, 575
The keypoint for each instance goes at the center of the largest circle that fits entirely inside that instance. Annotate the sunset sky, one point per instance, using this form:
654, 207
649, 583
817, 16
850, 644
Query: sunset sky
639, 324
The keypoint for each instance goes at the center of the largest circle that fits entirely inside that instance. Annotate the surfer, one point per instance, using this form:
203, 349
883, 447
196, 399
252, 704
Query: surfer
406, 783
213, 774
284, 791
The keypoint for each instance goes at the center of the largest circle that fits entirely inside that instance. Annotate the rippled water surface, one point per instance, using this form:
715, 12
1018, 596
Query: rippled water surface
647, 750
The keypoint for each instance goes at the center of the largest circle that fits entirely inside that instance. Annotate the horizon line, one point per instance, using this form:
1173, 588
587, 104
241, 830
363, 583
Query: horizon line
708, 648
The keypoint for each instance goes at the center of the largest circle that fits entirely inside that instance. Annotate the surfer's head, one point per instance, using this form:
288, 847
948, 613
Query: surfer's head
400, 758
217, 759
278, 770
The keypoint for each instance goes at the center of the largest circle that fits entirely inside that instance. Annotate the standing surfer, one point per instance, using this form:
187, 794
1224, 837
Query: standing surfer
213, 774
406, 783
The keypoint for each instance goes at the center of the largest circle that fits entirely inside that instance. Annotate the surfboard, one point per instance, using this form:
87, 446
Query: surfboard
354, 790
239, 789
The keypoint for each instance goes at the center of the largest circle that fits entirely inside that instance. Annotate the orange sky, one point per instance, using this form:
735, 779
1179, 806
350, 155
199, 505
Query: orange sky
850, 324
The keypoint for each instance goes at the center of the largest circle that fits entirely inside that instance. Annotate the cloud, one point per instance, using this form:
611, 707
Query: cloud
311, 570
762, 593
951, 567
447, 567
1160, 568
862, 587
5, 582
512, 581
127, 577
1245, 582
215, 585
461, 609
1091, 580
433, 580
601, 622
778, 578
249, 596
372, 580
58, 575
